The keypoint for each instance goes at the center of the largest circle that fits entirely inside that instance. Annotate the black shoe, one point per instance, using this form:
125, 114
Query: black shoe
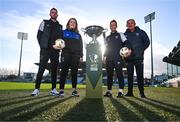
142, 95
61, 93
108, 94
129, 95
75, 94
119, 95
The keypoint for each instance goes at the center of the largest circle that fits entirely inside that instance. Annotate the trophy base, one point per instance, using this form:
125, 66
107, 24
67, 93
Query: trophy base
96, 92
93, 71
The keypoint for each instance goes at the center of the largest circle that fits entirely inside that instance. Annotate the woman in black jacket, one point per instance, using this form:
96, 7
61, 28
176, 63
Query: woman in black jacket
71, 55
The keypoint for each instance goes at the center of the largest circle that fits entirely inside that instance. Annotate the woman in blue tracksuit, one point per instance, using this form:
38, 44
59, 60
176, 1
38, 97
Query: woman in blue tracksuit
139, 42
71, 55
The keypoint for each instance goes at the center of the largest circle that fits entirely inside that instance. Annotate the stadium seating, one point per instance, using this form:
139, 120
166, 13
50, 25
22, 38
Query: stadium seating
174, 56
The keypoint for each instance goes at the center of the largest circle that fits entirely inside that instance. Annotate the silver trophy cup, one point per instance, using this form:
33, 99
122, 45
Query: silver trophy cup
94, 31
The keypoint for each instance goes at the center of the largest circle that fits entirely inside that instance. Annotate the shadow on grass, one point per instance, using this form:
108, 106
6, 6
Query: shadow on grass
7, 113
148, 114
38, 110
14, 98
124, 112
21, 100
160, 106
162, 103
86, 110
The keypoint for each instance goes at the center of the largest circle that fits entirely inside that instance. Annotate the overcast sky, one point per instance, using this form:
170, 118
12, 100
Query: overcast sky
26, 15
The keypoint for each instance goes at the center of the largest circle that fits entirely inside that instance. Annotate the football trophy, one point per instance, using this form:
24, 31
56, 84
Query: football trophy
93, 62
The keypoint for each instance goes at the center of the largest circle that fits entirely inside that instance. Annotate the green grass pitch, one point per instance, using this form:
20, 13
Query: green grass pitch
16, 104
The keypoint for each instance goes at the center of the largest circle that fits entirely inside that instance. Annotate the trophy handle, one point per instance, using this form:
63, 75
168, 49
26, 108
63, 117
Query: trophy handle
104, 35
105, 30
83, 30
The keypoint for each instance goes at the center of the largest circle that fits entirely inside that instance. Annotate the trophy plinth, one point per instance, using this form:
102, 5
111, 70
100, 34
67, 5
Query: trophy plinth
93, 62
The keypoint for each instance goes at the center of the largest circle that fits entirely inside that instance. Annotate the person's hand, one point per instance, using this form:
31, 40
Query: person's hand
81, 59
104, 60
56, 47
129, 52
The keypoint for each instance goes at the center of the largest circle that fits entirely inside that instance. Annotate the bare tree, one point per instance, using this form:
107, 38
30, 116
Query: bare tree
5, 72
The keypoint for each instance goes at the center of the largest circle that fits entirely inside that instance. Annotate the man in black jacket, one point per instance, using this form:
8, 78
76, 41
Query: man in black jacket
139, 41
112, 59
49, 31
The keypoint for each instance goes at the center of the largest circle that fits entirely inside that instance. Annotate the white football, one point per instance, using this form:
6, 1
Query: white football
60, 43
125, 52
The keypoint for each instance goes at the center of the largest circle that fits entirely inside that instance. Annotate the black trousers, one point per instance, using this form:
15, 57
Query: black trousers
69, 61
110, 65
140, 75
45, 55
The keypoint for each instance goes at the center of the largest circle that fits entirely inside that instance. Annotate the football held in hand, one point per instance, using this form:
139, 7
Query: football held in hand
60, 43
125, 52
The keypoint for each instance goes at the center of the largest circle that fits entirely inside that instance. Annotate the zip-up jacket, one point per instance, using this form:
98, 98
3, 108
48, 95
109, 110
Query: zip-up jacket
48, 32
114, 42
73, 42
139, 41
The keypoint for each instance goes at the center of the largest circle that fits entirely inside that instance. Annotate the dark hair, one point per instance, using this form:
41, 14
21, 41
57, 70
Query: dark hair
76, 28
131, 20
113, 21
54, 9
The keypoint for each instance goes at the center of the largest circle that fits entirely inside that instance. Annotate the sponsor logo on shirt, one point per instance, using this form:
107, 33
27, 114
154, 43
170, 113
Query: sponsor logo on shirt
116, 37
137, 34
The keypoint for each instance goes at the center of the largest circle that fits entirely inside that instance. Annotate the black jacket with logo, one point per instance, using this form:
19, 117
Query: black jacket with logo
139, 41
113, 45
73, 42
48, 32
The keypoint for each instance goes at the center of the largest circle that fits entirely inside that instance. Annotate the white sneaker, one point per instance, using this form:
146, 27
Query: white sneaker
54, 92
35, 92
